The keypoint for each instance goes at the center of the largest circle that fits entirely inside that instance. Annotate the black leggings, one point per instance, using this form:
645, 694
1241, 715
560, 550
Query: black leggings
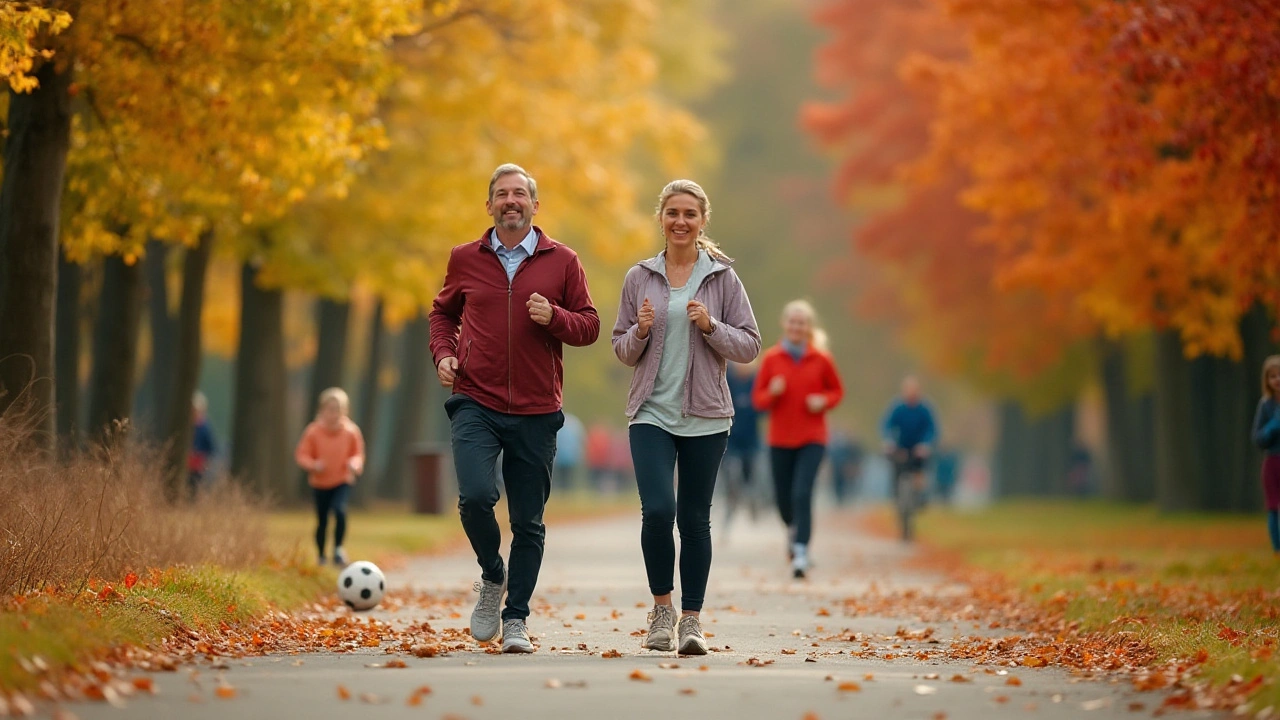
794, 472
331, 500
656, 454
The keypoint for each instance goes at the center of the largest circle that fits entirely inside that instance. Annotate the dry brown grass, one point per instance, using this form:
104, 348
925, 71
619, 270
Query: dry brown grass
103, 513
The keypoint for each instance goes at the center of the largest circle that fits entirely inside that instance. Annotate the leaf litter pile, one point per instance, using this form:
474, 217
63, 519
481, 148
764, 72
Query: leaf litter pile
325, 626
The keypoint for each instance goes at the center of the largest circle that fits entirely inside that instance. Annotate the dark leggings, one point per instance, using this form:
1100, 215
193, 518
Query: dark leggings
656, 454
794, 472
331, 500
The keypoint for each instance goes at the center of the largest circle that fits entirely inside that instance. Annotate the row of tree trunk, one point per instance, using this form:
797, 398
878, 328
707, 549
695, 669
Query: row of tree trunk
1178, 430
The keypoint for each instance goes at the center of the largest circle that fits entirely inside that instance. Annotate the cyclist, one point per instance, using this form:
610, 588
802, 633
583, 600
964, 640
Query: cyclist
909, 432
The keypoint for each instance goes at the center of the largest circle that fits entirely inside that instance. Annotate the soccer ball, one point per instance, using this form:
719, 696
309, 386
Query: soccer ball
361, 585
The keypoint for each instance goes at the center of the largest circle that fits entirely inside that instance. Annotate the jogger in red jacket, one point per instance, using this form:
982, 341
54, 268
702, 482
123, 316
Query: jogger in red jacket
797, 385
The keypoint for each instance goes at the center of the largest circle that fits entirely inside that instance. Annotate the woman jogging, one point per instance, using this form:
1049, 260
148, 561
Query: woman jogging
682, 315
797, 385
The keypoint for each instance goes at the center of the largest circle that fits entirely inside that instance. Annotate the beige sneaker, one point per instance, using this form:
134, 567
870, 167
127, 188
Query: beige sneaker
662, 629
692, 641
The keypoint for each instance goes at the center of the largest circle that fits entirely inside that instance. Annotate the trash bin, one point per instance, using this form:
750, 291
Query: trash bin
428, 479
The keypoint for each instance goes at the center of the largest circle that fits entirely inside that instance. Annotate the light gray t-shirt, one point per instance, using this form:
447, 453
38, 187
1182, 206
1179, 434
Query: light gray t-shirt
665, 407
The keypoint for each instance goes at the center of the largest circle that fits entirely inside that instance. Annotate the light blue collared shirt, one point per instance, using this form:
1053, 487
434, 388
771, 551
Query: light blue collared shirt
512, 258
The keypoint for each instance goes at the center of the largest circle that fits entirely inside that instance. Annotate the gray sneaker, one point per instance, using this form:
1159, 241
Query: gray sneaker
662, 629
691, 640
515, 637
487, 617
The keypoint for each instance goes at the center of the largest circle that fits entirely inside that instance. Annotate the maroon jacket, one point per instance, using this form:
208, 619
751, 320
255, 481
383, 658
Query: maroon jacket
506, 361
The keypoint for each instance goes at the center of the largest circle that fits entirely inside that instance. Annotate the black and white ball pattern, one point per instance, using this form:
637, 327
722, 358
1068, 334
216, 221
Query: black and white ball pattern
361, 585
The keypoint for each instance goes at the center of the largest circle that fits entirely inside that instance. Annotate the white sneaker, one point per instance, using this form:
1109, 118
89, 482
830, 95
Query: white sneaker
515, 637
692, 641
487, 616
662, 629
799, 560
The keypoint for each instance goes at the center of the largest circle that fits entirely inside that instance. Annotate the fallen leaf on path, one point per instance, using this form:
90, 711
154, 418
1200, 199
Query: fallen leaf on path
371, 699
957, 678
849, 686
788, 651
668, 665
1034, 661
580, 616
1137, 707
640, 675
688, 691
823, 612
477, 700
610, 654
703, 668
1002, 699
926, 690
811, 715
932, 676
343, 693
1091, 705
395, 664
939, 715
225, 692
413, 700
144, 684
554, 684
1013, 681
868, 676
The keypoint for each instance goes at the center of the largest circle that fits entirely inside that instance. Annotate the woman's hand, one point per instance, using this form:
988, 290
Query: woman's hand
644, 319
817, 402
699, 315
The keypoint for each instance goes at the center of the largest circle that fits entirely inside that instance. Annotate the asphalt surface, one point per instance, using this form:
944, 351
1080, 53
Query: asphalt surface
777, 651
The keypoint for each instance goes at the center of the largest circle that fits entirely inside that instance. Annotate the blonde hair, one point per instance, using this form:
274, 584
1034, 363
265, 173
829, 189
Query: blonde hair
694, 190
1271, 363
335, 395
817, 336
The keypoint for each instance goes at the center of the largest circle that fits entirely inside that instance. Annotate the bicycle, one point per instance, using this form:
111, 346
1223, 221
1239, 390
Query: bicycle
908, 484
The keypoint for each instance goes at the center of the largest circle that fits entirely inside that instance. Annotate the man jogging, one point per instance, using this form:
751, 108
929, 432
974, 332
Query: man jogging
511, 300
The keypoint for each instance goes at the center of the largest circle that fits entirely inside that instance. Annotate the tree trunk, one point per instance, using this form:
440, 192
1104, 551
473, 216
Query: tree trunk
157, 385
1220, 416
1255, 329
67, 355
175, 421
414, 364
327, 370
1012, 471
115, 345
1128, 473
368, 402
1053, 442
259, 444
1177, 461
332, 325
35, 158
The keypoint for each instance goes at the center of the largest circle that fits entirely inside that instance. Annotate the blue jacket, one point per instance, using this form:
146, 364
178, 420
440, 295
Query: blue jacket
1266, 426
909, 425
745, 435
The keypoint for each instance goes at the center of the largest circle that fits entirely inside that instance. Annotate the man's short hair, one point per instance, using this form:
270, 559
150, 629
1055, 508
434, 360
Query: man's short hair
513, 169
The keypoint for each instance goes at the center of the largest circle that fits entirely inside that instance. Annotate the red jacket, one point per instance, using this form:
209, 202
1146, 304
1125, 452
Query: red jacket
506, 361
791, 423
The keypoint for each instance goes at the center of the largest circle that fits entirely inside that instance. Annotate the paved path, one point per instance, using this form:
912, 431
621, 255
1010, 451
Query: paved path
592, 594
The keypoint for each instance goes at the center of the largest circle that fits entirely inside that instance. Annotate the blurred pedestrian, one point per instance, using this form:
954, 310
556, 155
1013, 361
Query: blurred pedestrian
1266, 434
681, 316
512, 299
570, 446
744, 441
845, 457
203, 445
946, 468
332, 452
798, 385
600, 458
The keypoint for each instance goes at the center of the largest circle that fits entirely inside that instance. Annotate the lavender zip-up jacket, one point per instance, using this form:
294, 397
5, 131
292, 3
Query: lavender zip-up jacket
734, 336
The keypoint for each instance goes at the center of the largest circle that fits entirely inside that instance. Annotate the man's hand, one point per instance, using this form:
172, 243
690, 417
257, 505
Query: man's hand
922, 451
355, 465
644, 319
777, 385
699, 315
817, 402
447, 371
317, 466
539, 309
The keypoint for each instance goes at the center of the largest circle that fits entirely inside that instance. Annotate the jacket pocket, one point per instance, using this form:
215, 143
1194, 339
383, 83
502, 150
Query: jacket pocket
466, 358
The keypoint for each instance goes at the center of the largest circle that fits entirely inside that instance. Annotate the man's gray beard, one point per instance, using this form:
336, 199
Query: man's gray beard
521, 224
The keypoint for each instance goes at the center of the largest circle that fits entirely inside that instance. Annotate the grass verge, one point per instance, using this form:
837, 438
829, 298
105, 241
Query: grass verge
64, 632
1196, 586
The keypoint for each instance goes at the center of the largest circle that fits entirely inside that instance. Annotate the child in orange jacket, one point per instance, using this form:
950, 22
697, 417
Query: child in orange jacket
332, 452
797, 385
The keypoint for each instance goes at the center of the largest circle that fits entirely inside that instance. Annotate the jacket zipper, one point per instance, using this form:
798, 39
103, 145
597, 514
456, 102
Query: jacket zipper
688, 398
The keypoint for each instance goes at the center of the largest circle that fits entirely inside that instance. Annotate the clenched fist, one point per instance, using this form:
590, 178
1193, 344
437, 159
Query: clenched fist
699, 315
539, 309
644, 319
447, 371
